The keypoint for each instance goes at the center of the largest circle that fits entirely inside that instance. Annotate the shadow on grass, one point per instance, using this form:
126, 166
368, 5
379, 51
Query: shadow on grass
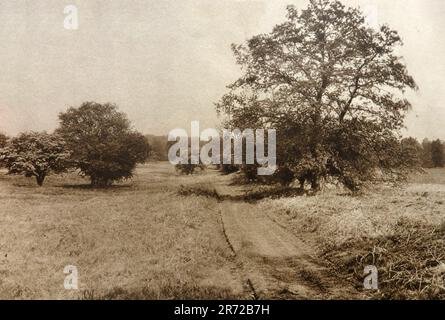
26, 185
248, 196
90, 187
166, 292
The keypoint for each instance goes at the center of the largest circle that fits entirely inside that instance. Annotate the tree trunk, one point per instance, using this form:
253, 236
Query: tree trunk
302, 181
40, 180
315, 184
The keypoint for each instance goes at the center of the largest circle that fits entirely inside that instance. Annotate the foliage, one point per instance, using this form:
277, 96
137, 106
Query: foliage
332, 87
3, 140
228, 168
158, 146
189, 168
438, 153
104, 147
412, 152
36, 155
427, 162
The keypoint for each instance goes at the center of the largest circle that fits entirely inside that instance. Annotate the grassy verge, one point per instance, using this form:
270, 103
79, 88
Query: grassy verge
400, 231
136, 240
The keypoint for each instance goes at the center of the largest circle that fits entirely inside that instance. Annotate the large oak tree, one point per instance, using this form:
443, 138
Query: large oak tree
333, 88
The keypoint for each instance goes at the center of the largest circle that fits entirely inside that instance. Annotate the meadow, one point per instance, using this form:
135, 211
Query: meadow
399, 229
167, 236
134, 240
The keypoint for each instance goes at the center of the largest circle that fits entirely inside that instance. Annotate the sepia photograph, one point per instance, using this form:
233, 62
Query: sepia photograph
239, 151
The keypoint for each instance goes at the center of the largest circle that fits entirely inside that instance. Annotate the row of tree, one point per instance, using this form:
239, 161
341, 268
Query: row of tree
428, 154
95, 139
408, 153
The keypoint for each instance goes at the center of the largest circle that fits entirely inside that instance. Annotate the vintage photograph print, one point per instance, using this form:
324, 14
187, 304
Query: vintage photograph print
234, 150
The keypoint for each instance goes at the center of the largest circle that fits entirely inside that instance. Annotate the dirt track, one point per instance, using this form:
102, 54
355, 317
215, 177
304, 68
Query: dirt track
275, 263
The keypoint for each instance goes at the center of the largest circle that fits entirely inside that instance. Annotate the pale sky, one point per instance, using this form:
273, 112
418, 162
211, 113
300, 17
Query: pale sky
165, 62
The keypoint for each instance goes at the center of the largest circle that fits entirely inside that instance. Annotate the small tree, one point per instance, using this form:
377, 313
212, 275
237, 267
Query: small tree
188, 168
104, 147
437, 153
36, 155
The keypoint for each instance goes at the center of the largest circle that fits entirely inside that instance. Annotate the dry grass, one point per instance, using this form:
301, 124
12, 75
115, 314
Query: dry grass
159, 236
401, 231
136, 240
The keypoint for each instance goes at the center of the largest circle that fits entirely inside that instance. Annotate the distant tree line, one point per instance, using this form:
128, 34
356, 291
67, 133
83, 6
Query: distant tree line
409, 151
428, 154
96, 140
3, 140
159, 147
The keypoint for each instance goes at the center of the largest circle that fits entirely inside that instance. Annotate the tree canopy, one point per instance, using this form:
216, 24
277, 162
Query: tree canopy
103, 144
332, 87
35, 154
3, 140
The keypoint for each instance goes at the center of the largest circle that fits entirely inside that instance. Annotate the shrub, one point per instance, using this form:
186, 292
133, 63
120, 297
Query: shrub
189, 168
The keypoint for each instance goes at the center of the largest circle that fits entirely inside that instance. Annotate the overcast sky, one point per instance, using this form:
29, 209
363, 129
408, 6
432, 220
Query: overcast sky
165, 62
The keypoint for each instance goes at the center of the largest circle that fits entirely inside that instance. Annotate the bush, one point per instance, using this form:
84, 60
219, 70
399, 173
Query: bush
228, 168
3, 142
189, 168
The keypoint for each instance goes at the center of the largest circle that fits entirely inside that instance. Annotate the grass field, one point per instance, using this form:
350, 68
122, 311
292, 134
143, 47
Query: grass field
134, 240
400, 230
145, 239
